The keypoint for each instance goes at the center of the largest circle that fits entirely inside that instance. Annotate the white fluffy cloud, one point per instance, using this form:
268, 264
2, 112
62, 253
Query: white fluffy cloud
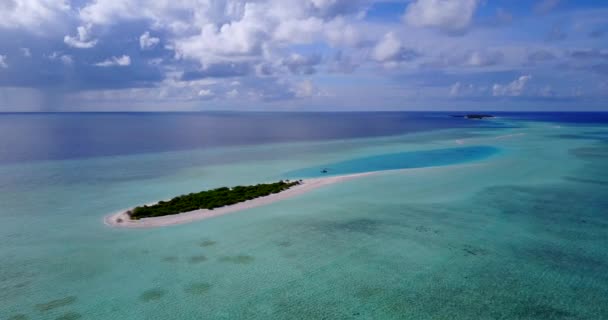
390, 48
121, 61
387, 48
513, 89
147, 42
32, 14
239, 39
451, 16
215, 31
276, 50
82, 40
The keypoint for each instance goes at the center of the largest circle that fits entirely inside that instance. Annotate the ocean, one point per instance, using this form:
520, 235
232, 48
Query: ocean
503, 218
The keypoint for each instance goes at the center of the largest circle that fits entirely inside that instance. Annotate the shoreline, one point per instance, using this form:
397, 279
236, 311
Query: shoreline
305, 186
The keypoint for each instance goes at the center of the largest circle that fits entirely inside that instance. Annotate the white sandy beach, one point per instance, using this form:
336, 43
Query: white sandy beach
122, 220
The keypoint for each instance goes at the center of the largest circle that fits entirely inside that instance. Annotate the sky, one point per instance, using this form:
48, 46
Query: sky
303, 55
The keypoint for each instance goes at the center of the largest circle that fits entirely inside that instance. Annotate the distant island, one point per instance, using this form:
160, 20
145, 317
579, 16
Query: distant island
210, 199
474, 116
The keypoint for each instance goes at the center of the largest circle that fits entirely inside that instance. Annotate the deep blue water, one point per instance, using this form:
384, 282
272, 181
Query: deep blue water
402, 160
560, 117
54, 136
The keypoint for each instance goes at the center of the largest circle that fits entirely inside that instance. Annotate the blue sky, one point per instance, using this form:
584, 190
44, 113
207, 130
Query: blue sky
284, 55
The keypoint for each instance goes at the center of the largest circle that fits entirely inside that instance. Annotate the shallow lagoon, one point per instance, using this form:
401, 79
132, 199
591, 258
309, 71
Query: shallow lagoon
518, 235
396, 161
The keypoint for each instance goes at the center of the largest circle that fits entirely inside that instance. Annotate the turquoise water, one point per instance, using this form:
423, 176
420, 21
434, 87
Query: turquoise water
518, 234
394, 161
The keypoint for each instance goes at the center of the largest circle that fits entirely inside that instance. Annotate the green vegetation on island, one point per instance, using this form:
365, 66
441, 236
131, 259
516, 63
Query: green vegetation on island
210, 199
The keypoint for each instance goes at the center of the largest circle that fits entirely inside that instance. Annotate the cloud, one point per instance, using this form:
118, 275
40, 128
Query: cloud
215, 31
32, 15
468, 90
147, 42
239, 39
338, 33
232, 94
82, 40
467, 60
304, 89
3, 63
449, 16
276, 52
390, 49
296, 30
484, 58
121, 61
342, 63
299, 64
109, 12
206, 94
513, 89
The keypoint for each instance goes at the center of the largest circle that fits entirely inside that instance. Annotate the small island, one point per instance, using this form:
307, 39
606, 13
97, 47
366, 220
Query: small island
474, 116
210, 199
217, 202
